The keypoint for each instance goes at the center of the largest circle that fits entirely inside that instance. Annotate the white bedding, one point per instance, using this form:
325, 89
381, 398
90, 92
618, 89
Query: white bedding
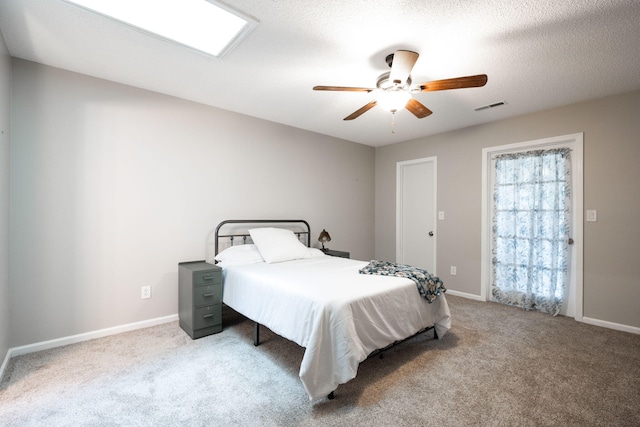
337, 314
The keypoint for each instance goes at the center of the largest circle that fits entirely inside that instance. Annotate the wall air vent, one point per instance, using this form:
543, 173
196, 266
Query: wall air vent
486, 107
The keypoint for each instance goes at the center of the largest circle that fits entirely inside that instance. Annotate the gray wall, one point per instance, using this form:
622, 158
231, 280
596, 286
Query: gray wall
112, 186
5, 101
611, 128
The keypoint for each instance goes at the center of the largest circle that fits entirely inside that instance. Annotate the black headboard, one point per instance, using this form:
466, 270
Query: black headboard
239, 229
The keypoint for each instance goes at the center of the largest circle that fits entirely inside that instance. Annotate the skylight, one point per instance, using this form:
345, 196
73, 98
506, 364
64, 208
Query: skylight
204, 25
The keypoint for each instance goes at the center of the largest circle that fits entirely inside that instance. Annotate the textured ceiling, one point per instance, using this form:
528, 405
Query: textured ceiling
538, 55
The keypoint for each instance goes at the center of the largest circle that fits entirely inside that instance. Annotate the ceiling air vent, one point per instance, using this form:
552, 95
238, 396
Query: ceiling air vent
486, 107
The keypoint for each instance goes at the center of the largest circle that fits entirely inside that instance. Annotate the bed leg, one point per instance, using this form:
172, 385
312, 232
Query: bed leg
256, 334
435, 334
331, 395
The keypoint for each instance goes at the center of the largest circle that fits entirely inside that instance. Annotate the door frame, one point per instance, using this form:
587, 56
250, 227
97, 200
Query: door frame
575, 142
399, 210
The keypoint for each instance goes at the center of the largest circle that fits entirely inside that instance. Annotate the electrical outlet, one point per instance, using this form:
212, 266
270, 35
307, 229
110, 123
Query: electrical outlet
454, 270
145, 292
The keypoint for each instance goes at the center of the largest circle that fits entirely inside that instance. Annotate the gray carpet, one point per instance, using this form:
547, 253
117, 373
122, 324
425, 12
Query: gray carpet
498, 366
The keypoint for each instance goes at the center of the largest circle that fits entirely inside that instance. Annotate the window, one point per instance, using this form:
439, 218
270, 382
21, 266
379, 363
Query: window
200, 24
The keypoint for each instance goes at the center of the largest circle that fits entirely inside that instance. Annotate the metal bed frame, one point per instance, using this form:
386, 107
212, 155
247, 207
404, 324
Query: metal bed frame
300, 223
305, 233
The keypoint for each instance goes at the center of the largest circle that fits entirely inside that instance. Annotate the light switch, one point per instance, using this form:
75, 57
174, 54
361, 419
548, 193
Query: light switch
592, 216
441, 215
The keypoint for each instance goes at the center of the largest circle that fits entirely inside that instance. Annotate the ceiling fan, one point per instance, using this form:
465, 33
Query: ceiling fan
395, 87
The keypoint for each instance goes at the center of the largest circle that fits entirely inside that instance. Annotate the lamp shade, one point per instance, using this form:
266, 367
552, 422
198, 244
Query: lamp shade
324, 237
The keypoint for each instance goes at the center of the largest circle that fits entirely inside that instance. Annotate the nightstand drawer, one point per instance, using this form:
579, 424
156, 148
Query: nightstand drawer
200, 298
208, 316
206, 277
207, 295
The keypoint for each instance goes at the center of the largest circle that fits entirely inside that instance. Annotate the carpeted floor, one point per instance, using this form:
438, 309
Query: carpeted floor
497, 366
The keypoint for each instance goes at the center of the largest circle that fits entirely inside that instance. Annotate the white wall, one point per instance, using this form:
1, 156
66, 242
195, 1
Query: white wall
5, 103
611, 176
112, 186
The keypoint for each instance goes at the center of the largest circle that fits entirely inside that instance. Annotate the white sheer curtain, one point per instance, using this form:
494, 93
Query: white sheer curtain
531, 226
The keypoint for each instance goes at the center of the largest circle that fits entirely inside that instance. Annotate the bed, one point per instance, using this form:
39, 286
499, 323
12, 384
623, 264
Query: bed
320, 302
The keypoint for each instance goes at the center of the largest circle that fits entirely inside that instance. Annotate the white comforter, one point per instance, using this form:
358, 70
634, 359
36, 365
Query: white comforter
337, 314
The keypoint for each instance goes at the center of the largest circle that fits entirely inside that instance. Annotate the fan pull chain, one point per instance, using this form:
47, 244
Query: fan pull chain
393, 121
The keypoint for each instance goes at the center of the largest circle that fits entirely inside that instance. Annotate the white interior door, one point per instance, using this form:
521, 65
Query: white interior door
416, 213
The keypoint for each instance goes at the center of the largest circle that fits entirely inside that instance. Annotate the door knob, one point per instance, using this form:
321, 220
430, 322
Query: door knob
431, 233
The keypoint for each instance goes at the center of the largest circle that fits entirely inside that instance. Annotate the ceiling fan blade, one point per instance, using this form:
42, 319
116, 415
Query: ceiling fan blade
457, 83
344, 89
361, 111
417, 109
403, 62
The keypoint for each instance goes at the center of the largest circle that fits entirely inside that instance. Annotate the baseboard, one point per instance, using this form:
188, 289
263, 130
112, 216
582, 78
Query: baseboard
464, 295
611, 325
59, 342
5, 363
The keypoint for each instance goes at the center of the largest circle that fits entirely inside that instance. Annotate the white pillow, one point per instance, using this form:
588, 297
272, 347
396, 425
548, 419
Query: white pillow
278, 244
314, 253
238, 255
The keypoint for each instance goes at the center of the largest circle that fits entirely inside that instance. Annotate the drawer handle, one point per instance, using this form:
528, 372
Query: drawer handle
208, 295
209, 277
206, 316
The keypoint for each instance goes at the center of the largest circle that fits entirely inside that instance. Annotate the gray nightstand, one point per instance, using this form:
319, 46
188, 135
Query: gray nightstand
200, 298
332, 252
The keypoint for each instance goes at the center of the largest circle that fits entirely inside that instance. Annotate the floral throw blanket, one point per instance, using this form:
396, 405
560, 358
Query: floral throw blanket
429, 286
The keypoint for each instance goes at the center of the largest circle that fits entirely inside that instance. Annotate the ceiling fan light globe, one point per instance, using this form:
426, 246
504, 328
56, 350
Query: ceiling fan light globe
393, 100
